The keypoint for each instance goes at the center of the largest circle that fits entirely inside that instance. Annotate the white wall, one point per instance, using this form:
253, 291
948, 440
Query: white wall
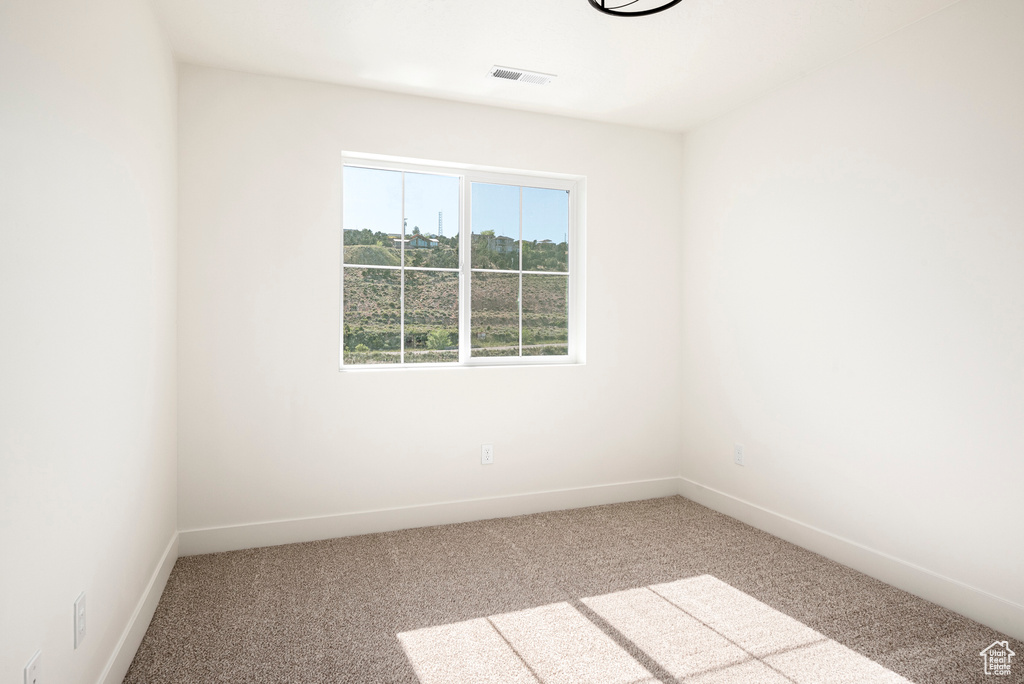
853, 298
87, 299
271, 430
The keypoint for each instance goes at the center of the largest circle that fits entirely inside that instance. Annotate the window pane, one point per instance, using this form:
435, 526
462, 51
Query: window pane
431, 317
372, 312
432, 220
372, 216
495, 316
495, 226
545, 230
545, 315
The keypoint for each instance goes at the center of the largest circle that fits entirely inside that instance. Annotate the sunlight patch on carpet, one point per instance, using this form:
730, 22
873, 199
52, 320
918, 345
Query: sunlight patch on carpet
698, 630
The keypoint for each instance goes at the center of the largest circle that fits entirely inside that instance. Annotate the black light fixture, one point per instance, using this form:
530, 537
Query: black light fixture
632, 8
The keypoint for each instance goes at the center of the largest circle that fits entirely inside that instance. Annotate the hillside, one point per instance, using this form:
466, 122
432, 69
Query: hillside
372, 313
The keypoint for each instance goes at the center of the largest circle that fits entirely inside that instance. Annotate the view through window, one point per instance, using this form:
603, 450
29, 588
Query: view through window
418, 289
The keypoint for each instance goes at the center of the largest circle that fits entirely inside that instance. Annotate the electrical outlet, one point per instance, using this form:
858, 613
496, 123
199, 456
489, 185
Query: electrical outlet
737, 454
486, 454
80, 619
32, 669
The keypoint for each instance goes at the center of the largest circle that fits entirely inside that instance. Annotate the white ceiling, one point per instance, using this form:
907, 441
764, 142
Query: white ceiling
670, 71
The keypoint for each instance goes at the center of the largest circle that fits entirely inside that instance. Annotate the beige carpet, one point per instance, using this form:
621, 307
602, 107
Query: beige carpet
662, 590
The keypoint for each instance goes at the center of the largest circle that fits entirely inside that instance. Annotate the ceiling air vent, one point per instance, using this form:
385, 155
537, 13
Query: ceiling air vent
520, 75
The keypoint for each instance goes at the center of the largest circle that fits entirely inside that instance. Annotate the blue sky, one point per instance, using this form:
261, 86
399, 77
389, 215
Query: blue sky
373, 200
545, 212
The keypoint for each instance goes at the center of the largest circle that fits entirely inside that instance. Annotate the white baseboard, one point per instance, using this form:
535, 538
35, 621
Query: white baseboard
272, 533
977, 604
131, 638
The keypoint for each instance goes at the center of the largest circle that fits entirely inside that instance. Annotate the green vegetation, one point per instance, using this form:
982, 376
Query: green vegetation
372, 331
371, 255
450, 356
546, 256
486, 254
495, 321
372, 325
367, 237
489, 252
545, 314
371, 357
434, 257
438, 339
368, 248
372, 311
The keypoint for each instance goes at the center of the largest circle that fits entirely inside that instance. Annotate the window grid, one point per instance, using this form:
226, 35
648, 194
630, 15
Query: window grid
401, 289
520, 299
465, 271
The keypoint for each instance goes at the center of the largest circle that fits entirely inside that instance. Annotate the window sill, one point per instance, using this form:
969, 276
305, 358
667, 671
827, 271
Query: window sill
560, 362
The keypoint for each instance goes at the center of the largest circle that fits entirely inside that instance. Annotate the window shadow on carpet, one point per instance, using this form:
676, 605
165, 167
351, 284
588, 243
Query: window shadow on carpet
698, 629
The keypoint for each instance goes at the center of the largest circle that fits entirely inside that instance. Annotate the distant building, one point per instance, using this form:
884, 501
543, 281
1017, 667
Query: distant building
502, 244
417, 242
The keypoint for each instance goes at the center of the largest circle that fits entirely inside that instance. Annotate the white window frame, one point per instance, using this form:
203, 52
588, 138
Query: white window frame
576, 187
